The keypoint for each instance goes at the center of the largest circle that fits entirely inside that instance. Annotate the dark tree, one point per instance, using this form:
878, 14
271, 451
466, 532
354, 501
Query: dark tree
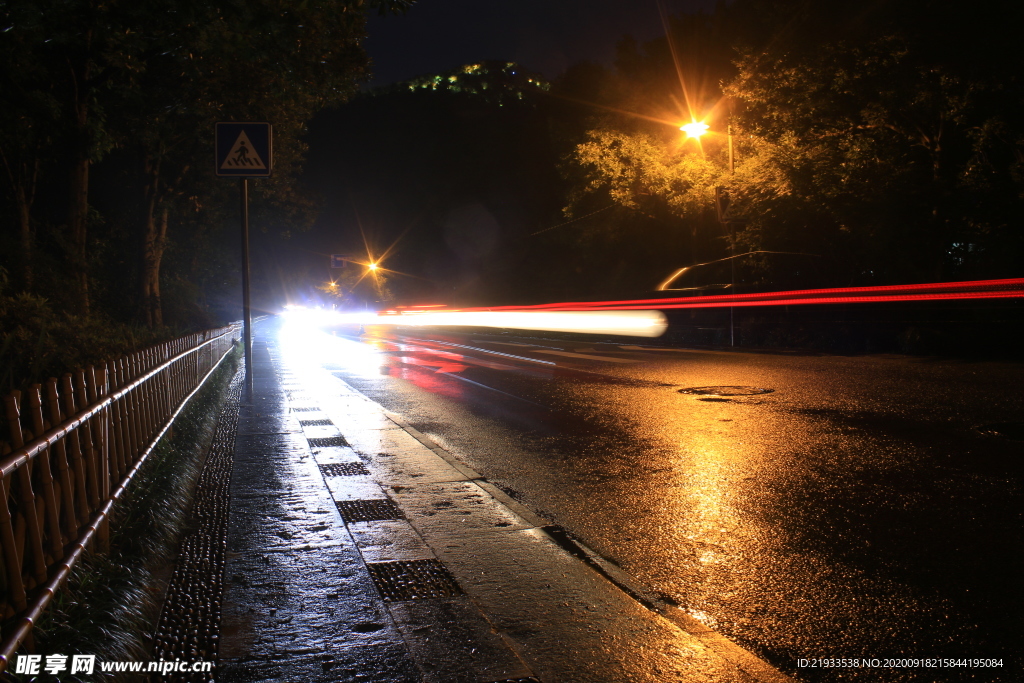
83, 78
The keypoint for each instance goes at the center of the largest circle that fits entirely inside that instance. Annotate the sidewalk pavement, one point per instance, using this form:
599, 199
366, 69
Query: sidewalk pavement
359, 550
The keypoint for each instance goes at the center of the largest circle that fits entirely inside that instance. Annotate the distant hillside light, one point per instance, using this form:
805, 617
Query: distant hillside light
694, 129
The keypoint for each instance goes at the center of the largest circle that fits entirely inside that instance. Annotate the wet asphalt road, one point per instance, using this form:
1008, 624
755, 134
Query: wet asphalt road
854, 511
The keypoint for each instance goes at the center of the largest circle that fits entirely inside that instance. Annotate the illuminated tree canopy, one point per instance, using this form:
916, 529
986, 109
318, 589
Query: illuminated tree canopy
856, 137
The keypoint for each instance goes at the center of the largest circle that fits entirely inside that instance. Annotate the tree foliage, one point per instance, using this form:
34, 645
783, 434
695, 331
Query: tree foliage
130, 91
858, 136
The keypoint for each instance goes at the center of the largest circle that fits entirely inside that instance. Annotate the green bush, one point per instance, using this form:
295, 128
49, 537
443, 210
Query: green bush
37, 341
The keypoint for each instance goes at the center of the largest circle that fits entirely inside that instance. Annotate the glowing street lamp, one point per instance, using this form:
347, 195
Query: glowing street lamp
694, 129
372, 266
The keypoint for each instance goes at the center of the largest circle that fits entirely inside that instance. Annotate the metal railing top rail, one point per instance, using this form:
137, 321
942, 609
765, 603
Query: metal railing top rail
20, 456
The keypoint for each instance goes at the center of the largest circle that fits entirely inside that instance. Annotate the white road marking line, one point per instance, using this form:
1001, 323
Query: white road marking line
524, 346
545, 349
497, 353
504, 393
588, 356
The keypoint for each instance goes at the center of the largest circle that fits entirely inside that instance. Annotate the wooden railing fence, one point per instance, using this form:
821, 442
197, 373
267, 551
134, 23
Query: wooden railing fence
75, 444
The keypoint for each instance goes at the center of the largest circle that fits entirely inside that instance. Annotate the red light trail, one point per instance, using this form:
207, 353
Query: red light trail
934, 291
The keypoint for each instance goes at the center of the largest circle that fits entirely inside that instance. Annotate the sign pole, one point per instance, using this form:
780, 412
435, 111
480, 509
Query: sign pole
244, 149
246, 312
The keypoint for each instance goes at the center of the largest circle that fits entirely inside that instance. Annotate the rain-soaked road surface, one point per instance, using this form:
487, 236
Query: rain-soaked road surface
807, 507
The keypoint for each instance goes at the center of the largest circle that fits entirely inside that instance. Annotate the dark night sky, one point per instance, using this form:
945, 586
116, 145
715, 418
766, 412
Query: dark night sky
435, 36
541, 35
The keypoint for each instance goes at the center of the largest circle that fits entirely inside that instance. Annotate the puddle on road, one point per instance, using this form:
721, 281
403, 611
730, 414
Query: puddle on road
725, 391
1006, 430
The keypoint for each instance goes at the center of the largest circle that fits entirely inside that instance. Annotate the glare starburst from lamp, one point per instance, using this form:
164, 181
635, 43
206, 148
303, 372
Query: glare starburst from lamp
694, 129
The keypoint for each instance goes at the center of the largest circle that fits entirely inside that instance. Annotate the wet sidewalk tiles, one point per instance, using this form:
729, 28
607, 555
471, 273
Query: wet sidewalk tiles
358, 550
325, 579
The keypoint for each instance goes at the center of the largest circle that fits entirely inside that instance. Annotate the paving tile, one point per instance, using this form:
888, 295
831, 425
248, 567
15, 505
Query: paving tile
354, 488
321, 432
256, 445
389, 540
276, 613
454, 643
257, 529
447, 509
411, 467
268, 424
372, 441
335, 454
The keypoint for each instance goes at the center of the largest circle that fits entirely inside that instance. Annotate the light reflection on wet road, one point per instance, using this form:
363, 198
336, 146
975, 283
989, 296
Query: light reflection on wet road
852, 512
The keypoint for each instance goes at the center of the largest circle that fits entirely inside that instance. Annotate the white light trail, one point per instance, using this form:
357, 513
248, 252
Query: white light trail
628, 323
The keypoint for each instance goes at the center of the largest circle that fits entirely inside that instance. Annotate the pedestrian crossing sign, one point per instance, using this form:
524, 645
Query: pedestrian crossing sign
244, 149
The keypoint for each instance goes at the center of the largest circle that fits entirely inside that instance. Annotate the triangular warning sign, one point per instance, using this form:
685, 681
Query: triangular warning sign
243, 155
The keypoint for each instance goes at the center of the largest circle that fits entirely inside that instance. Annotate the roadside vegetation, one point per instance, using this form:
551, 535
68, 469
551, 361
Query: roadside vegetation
38, 341
112, 600
878, 143
858, 136
111, 218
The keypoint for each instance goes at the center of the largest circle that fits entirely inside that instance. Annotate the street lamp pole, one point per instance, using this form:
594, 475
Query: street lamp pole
695, 129
732, 167
732, 248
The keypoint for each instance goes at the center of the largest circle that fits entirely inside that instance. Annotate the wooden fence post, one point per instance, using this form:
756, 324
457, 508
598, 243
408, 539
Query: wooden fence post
46, 508
27, 497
